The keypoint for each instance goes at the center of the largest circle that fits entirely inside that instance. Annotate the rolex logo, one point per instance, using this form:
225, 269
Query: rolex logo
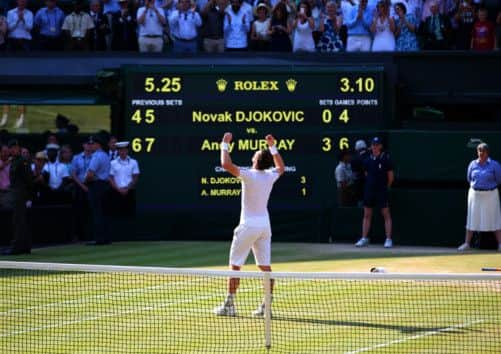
291, 85
221, 85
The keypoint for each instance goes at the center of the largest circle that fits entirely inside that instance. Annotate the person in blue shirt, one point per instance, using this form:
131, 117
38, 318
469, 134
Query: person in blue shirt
48, 23
484, 211
79, 166
379, 178
97, 180
358, 22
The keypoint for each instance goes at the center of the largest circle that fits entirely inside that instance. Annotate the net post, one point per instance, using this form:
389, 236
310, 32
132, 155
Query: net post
267, 309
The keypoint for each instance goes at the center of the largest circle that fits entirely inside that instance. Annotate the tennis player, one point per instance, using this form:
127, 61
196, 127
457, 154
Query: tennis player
254, 229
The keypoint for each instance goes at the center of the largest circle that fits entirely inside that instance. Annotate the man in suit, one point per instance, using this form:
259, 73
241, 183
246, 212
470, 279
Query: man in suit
124, 29
21, 183
101, 27
436, 30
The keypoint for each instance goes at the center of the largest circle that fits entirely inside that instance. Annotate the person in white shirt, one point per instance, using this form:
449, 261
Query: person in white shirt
19, 25
56, 175
236, 26
186, 20
254, 229
124, 175
78, 26
150, 20
303, 26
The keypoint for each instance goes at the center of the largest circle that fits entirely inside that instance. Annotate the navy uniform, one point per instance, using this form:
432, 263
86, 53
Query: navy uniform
21, 186
376, 181
97, 179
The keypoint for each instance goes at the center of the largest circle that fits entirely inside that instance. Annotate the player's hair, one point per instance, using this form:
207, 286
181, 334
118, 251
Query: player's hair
264, 160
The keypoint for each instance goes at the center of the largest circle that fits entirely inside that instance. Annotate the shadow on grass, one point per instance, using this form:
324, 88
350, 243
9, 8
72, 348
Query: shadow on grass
400, 328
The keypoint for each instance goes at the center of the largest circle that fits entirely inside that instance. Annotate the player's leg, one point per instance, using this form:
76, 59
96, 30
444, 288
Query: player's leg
240, 248
388, 225
366, 226
5, 115
21, 110
262, 254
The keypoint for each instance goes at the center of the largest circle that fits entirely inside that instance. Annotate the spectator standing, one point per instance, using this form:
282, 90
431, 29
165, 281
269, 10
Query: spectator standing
428, 4
112, 147
463, 22
435, 29
345, 180
260, 37
66, 158
358, 22
213, 15
4, 178
280, 29
150, 20
484, 33
236, 27
357, 166
383, 28
316, 8
97, 179
124, 29
187, 21
39, 185
79, 166
484, 212
78, 26
48, 24
21, 190
56, 176
303, 27
330, 26
3, 31
405, 30
101, 27
379, 178
124, 175
110, 8
20, 24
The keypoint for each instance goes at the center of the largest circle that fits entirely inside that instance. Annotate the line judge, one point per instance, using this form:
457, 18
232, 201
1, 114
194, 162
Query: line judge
254, 229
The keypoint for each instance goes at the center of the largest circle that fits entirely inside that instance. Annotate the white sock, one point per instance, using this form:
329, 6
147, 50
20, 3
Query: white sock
21, 116
5, 116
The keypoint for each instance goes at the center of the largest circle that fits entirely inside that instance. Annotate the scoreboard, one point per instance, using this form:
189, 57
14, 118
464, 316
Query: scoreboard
177, 115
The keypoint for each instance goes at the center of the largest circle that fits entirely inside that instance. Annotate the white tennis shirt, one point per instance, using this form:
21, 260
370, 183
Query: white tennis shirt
256, 190
122, 171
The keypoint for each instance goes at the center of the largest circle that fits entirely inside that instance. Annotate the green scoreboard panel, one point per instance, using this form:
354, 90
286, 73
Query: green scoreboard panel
176, 117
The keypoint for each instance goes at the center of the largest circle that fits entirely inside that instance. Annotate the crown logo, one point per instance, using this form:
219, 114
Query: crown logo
221, 85
291, 85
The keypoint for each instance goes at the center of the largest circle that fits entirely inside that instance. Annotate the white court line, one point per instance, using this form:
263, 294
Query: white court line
425, 334
86, 299
121, 313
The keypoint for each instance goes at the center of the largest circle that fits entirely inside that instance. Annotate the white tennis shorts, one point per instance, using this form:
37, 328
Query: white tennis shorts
246, 238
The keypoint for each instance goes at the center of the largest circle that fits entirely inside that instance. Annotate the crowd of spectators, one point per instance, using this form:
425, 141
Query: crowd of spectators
189, 26
58, 177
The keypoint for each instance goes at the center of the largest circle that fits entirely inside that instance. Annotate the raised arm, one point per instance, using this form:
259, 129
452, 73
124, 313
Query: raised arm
226, 162
277, 159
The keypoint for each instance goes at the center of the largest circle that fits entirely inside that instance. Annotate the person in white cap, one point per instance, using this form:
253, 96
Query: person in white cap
254, 229
55, 174
124, 175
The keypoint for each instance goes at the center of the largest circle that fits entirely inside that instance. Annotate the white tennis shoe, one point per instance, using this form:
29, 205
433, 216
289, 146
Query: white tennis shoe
259, 312
225, 310
388, 243
363, 242
463, 247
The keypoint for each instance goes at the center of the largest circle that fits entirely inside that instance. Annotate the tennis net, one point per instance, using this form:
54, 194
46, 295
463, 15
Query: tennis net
67, 308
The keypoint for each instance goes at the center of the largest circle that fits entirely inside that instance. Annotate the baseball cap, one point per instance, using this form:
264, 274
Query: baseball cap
376, 140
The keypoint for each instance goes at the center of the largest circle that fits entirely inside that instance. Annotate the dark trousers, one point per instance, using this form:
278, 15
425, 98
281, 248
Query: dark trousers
21, 240
123, 212
80, 211
50, 43
98, 193
19, 45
